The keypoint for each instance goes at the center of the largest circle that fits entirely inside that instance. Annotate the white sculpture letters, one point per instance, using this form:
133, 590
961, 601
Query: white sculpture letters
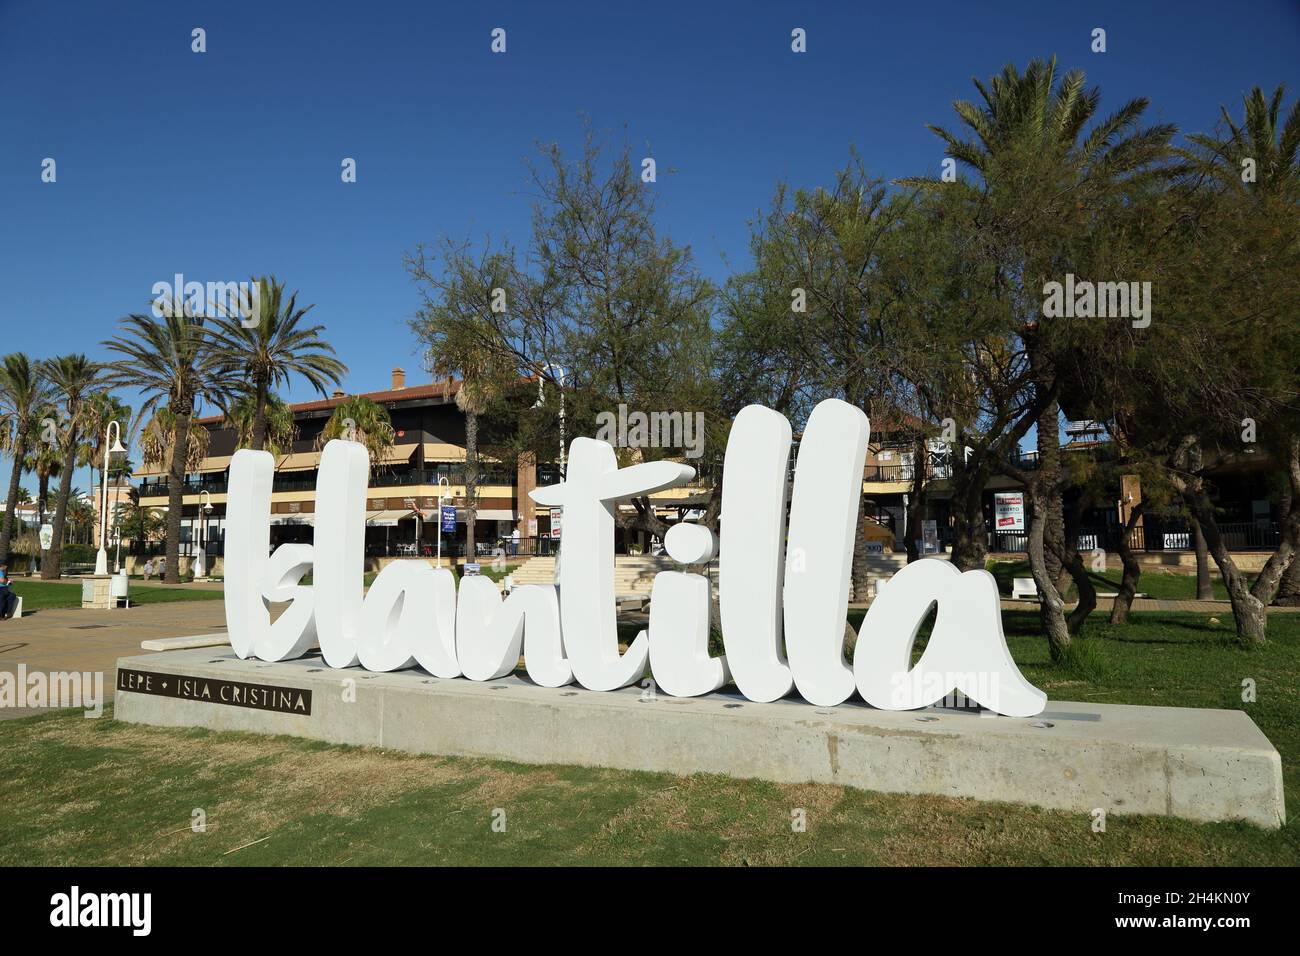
782, 596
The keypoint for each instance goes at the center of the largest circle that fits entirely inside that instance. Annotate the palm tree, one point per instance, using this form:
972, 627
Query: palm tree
1273, 149
280, 430
357, 418
22, 392
43, 461
73, 378
169, 357
1041, 175
158, 435
81, 518
101, 408
473, 400
1268, 148
273, 348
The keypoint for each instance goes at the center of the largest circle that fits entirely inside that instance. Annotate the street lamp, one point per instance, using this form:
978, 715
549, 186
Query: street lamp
101, 559
201, 565
541, 400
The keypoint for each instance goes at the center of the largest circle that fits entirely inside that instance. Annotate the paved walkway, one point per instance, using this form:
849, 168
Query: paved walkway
72, 639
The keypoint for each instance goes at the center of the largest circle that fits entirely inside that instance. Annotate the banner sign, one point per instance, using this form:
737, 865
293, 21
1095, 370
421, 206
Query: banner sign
782, 587
557, 515
1009, 511
449, 518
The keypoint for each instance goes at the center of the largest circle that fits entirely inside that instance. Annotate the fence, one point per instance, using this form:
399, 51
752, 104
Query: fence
1155, 535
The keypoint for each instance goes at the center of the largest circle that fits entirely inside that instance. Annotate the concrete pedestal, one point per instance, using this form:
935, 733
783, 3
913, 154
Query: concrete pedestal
1202, 765
96, 592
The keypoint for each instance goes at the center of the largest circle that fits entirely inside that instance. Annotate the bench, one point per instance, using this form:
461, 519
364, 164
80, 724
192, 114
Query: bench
1024, 588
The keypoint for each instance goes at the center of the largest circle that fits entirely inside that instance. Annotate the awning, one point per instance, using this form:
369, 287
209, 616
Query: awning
389, 518
399, 454
434, 451
302, 461
294, 519
488, 514
215, 464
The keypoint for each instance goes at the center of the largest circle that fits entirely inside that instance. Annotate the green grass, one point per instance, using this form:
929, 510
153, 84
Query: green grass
1155, 583
102, 792
55, 594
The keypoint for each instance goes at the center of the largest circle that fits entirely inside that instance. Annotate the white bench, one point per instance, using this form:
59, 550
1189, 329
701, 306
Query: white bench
1024, 588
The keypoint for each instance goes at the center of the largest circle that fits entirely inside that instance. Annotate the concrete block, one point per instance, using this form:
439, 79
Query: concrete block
1202, 765
184, 643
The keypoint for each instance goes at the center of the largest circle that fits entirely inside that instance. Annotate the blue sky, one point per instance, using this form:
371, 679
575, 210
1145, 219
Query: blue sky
225, 164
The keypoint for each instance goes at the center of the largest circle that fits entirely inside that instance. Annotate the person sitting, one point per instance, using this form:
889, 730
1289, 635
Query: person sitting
8, 600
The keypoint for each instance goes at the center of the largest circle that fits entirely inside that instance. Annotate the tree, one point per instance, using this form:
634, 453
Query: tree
168, 356
43, 461
598, 304
101, 409
1044, 187
359, 419
273, 347
158, 437
22, 393
279, 429
1257, 162
73, 379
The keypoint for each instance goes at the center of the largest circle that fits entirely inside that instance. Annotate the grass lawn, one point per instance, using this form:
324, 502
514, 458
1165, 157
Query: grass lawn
37, 594
1155, 583
101, 792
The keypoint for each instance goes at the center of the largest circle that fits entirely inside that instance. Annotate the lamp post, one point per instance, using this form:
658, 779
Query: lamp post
101, 558
201, 565
541, 400
442, 483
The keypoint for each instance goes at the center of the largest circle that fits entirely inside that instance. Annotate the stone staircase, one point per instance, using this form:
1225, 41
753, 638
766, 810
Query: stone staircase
633, 573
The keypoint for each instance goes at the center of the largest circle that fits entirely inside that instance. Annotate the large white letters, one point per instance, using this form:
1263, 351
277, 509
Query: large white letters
782, 595
593, 486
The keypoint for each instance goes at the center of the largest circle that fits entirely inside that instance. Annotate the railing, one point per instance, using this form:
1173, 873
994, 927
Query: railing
380, 478
1156, 535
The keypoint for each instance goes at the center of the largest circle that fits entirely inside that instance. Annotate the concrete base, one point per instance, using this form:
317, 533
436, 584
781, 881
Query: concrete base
1202, 765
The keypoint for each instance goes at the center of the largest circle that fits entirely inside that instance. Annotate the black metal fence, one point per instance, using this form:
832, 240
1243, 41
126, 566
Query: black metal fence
1156, 535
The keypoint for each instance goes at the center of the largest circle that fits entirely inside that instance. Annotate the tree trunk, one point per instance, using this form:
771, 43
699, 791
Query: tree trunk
51, 559
970, 536
1074, 568
860, 571
11, 501
1053, 607
1269, 581
1248, 612
259, 416
1048, 484
1204, 583
915, 513
471, 481
1132, 569
176, 495
1288, 594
